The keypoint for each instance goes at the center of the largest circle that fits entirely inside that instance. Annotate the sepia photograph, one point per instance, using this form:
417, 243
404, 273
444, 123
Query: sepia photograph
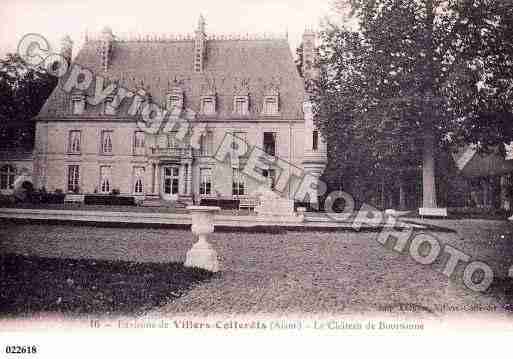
177, 172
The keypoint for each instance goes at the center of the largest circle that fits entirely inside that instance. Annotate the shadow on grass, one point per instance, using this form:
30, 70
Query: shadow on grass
429, 227
31, 285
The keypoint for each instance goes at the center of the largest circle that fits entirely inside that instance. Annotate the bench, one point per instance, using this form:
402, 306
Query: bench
248, 202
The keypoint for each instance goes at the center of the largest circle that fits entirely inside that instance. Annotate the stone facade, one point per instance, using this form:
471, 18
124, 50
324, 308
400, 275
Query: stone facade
249, 88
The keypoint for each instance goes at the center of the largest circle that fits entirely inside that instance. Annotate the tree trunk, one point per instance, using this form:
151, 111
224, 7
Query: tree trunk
382, 200
428, 151
428, 171
402, 197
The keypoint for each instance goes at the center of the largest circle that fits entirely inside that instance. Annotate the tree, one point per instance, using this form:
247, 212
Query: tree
23, 91
418, 75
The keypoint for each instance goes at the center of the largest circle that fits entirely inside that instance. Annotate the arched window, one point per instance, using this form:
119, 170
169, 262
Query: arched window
7, 174
138, 180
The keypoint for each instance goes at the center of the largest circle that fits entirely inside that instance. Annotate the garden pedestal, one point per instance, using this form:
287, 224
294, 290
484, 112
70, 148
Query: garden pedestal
202, 254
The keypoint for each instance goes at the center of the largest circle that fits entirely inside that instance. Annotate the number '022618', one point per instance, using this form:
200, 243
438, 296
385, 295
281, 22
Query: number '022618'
20, 349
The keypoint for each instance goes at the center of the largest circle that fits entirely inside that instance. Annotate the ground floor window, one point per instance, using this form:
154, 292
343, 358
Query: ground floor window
7, 174
171, 180
238, 186
105, 179
205, 181
315, 140
270, 176
138, 180
73, 178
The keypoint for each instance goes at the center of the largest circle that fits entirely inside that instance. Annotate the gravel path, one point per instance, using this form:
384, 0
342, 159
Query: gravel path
296, 272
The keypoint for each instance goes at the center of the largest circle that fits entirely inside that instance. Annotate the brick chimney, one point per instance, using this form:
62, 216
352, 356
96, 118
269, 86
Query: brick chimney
106, 46
308, 64
67, 48
200, 45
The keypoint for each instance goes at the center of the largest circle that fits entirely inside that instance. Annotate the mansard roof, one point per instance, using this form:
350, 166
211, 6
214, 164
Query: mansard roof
159, 66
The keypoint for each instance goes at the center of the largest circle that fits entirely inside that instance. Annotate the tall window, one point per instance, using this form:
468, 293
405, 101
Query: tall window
270, 143
241, 105
271, 105
315, 140
73, 178
270, 175
105, 179
107, 142
238, 185
207, 144
138, 180
7, 174
74, 142
205, 181
240, 141
139, 143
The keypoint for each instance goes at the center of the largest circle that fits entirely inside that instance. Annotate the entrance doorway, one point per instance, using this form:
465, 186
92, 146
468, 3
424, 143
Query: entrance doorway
170, 182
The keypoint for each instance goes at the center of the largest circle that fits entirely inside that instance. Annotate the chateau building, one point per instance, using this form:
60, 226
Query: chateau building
246, 87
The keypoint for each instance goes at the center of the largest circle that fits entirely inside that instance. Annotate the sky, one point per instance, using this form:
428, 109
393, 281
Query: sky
55, 18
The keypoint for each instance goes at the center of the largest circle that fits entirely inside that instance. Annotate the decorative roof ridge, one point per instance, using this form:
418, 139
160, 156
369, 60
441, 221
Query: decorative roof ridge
130, 37
248, 37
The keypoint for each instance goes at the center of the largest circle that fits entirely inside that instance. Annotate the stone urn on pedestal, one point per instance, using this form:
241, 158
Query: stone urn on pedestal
202, 255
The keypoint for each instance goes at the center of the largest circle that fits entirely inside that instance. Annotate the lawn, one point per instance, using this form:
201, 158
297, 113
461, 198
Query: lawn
290, 272
34, 285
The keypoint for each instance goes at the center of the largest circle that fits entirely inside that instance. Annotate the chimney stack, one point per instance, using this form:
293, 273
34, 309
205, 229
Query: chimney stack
67, 48
308, 64
200, 45
107, 42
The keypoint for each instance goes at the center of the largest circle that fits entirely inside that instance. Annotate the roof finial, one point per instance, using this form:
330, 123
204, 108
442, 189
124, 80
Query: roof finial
201, 24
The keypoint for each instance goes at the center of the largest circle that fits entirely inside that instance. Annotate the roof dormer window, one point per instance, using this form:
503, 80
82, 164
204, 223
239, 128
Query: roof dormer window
140, 101
109, 108
241, 105
174, 100
271, 101
271, 106
208, 105
78, 103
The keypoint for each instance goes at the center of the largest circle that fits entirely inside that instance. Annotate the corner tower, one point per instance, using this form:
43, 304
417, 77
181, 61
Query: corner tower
107, 42
315, 156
